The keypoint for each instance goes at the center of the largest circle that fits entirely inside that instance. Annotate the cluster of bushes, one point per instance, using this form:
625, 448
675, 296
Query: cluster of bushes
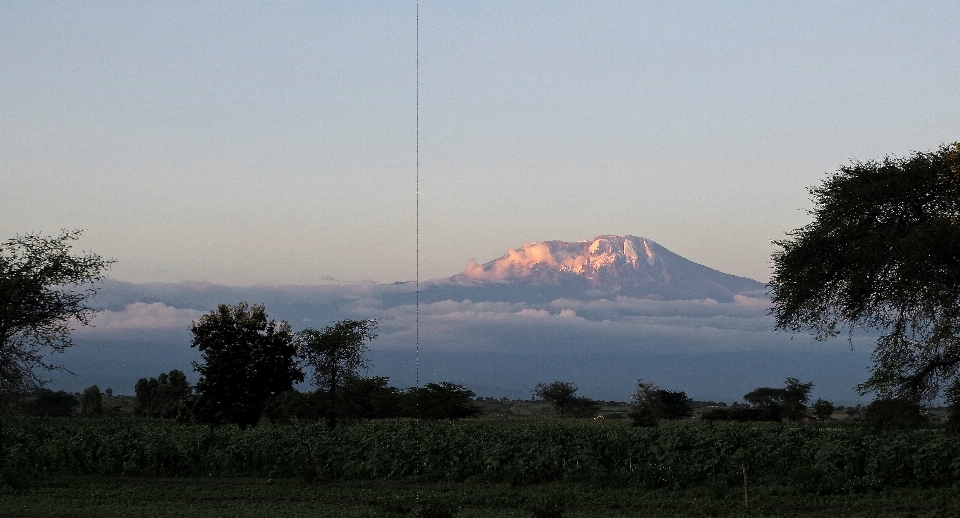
47, 403
372, 398
358, 398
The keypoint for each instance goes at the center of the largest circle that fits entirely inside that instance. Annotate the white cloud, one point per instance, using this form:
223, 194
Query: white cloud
141, 315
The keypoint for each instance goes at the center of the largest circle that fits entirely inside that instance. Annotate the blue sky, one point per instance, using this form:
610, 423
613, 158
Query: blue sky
249, 142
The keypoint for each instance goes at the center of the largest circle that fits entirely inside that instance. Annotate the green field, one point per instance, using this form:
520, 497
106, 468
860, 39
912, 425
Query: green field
118, 467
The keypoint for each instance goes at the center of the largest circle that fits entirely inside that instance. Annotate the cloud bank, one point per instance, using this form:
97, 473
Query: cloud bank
475, 338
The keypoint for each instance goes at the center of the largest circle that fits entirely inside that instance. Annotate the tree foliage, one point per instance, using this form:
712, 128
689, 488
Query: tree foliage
883, 252
44, 288
246, 359
91, 402
444, 400
823, 409
370, 398
47, 403
561, 394
777, 403
335, 353
893, 414
655, 404
164, 396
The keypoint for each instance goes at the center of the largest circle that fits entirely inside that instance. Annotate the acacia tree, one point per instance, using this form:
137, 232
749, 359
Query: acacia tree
43, 290
883, 252
562, 394
336, 353
246, 359
444, 400
776, 403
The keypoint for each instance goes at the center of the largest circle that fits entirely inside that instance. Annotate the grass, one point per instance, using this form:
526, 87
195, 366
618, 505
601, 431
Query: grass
194, 497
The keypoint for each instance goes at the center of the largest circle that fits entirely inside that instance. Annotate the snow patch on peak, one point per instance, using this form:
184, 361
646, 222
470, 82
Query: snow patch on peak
595, 246
629, 252
650, 254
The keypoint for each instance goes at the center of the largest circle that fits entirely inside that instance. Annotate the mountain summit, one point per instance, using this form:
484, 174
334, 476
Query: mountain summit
606, 266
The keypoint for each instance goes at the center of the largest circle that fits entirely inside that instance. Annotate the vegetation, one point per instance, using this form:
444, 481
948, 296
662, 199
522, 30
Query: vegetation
563, 396
335, 353
821, 460
822, 409
47, 403
883, 252
164, 396
120, 497
91, 402
654, 404
891, 414
788, 402
441, 401
246, 359
42, 289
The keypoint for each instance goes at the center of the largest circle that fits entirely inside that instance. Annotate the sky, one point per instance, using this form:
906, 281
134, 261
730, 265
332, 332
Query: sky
246, 143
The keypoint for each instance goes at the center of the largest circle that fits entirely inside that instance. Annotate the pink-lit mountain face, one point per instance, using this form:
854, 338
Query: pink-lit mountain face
606, 266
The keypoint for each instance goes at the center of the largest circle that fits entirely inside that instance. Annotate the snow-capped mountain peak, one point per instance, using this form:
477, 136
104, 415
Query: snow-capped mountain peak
608, 264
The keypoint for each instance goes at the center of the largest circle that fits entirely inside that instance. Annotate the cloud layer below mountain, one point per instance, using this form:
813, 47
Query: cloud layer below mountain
711, 349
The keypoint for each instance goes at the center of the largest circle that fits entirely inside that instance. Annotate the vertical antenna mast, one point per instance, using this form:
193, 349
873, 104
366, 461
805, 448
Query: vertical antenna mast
418, 199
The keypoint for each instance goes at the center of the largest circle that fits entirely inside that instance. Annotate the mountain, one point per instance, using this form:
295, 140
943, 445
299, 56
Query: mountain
603, 267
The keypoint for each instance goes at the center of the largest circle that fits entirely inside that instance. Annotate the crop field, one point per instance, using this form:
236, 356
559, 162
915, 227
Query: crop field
403, 468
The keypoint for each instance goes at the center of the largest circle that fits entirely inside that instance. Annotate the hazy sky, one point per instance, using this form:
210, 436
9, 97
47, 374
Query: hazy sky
245, 143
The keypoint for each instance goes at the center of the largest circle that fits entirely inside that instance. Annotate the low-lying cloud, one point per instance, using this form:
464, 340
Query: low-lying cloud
503, 346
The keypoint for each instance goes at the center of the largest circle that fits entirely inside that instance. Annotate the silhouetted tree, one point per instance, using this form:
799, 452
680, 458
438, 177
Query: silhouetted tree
335, 353
778, 403
164, 396
91, 402
891, 414
823, 409
442, 400
883, 252
370, 398
562, 394
44, 289
654, 404
47, 403
246, 359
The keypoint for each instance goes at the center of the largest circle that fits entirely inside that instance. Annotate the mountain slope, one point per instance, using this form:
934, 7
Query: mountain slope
606, 266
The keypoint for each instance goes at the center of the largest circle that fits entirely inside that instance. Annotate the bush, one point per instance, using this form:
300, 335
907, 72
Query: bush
739, 414
442, 400
583, 407
893, 414
823, 409
47, 403
91, 402
654, 404
290, 406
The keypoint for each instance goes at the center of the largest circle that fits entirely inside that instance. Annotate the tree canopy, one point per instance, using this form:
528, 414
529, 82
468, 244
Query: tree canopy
163, 396
655, 404
776, 403
246, 359
336, 353
562, 394
44, 288
883, 252
444, 400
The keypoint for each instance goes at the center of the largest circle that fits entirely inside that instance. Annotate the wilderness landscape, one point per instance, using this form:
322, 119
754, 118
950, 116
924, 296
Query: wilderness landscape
525, 259
504, 326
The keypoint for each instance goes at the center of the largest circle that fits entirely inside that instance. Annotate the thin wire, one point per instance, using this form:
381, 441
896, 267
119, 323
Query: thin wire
417, 340
418, 199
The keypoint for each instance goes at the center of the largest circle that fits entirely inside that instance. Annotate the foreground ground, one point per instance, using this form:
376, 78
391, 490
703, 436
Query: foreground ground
92, 496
